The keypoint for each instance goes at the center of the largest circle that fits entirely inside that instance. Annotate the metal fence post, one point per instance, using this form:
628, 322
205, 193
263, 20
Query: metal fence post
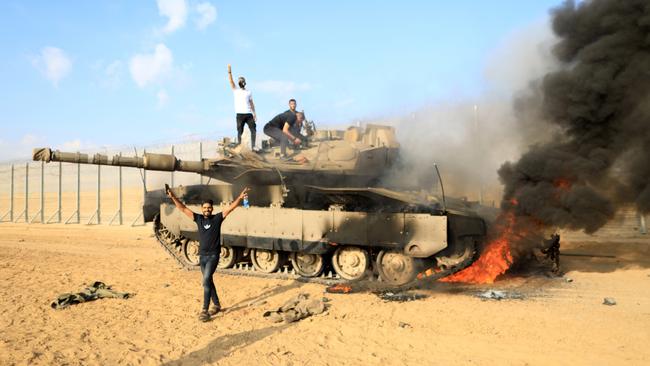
119, 193
643, 229
172, 182
42, 192
77, 211
58, 208
144, 191
201, 159
27, 192
10, 213
40, 211
97, 214
144, 177
118, 214
11, 199
78, 193
60, 193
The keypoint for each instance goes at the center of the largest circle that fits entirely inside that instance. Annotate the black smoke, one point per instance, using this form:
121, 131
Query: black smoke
599, 101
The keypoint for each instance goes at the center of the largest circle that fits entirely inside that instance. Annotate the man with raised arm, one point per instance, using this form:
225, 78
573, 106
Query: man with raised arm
244, 108
209, 226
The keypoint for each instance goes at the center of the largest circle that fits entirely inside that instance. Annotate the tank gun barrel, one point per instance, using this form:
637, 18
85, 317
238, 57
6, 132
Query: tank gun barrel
149, 161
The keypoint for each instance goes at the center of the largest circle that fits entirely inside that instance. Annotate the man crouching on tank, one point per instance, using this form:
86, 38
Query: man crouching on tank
209, 227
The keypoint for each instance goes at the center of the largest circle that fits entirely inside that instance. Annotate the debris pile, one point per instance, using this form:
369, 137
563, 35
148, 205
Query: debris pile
399, 296
97, 290
498, 295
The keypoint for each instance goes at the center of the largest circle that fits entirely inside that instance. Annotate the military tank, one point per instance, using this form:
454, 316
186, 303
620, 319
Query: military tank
323, 209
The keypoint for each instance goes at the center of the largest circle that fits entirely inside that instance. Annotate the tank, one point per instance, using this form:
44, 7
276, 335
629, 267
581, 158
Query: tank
324, 209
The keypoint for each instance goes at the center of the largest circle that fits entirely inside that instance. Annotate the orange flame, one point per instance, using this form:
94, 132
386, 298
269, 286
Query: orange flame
495, 260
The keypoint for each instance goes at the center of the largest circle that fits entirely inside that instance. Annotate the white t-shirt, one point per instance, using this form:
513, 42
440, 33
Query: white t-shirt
243, 99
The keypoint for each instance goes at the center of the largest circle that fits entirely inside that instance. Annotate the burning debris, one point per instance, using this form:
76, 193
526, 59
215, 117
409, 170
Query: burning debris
339, 288
552, 252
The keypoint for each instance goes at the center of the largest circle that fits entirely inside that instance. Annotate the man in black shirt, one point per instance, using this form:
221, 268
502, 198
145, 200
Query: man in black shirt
279, 128
209, 226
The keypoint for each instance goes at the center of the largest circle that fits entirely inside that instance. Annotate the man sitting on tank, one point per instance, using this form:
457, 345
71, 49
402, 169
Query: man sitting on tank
209, 227
279, 128
297, 128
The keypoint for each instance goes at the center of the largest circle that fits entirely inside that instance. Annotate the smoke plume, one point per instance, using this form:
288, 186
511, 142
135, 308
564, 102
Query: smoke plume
469, 138
599, 104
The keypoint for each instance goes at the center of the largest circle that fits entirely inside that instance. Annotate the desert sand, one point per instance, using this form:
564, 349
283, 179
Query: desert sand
550, 321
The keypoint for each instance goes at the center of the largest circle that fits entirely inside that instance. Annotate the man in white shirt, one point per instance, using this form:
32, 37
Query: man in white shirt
244, 107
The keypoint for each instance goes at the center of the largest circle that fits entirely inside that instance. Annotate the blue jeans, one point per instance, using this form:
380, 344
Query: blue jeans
208, 265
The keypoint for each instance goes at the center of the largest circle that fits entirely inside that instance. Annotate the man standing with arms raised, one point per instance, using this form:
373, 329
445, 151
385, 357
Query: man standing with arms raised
209, 227
244, 107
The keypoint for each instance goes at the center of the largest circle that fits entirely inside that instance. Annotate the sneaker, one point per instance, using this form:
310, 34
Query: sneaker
214, 310
204, 316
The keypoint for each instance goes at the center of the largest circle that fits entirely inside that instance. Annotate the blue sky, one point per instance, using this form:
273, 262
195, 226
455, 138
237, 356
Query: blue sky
82, 74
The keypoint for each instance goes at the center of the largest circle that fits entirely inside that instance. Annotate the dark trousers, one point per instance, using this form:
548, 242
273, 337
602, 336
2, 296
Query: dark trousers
246, 118
278, 135
208, 265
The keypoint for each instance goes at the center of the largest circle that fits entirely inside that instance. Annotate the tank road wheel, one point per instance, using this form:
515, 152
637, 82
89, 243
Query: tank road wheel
267, 261
229, 256
351, 263
308, 265
396, 268
191, 251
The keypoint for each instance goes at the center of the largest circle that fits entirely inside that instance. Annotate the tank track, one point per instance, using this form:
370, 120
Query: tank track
173, 246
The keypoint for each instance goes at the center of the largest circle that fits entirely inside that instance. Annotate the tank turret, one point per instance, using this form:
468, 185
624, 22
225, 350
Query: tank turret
354, 157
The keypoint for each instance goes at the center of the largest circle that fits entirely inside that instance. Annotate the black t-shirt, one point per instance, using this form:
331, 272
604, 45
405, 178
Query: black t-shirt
279, 120
209, 233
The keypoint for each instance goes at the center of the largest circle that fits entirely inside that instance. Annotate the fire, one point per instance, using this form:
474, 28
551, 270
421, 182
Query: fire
339, 289
495, 260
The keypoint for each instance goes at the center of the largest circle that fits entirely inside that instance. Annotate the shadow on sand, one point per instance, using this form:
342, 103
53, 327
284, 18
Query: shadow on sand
264, 295
225, 345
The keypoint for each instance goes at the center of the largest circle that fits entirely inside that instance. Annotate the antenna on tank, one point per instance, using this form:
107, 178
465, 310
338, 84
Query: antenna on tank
442, 188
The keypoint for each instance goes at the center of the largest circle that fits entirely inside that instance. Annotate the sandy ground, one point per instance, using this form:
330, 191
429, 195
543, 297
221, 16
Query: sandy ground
555, 321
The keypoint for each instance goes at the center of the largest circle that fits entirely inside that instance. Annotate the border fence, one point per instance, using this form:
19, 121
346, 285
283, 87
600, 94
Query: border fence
73, 193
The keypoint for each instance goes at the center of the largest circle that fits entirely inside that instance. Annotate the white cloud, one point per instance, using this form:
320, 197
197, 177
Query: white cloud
176, 11
163, 98
207, 15
53, 63
150, 68
281, 87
